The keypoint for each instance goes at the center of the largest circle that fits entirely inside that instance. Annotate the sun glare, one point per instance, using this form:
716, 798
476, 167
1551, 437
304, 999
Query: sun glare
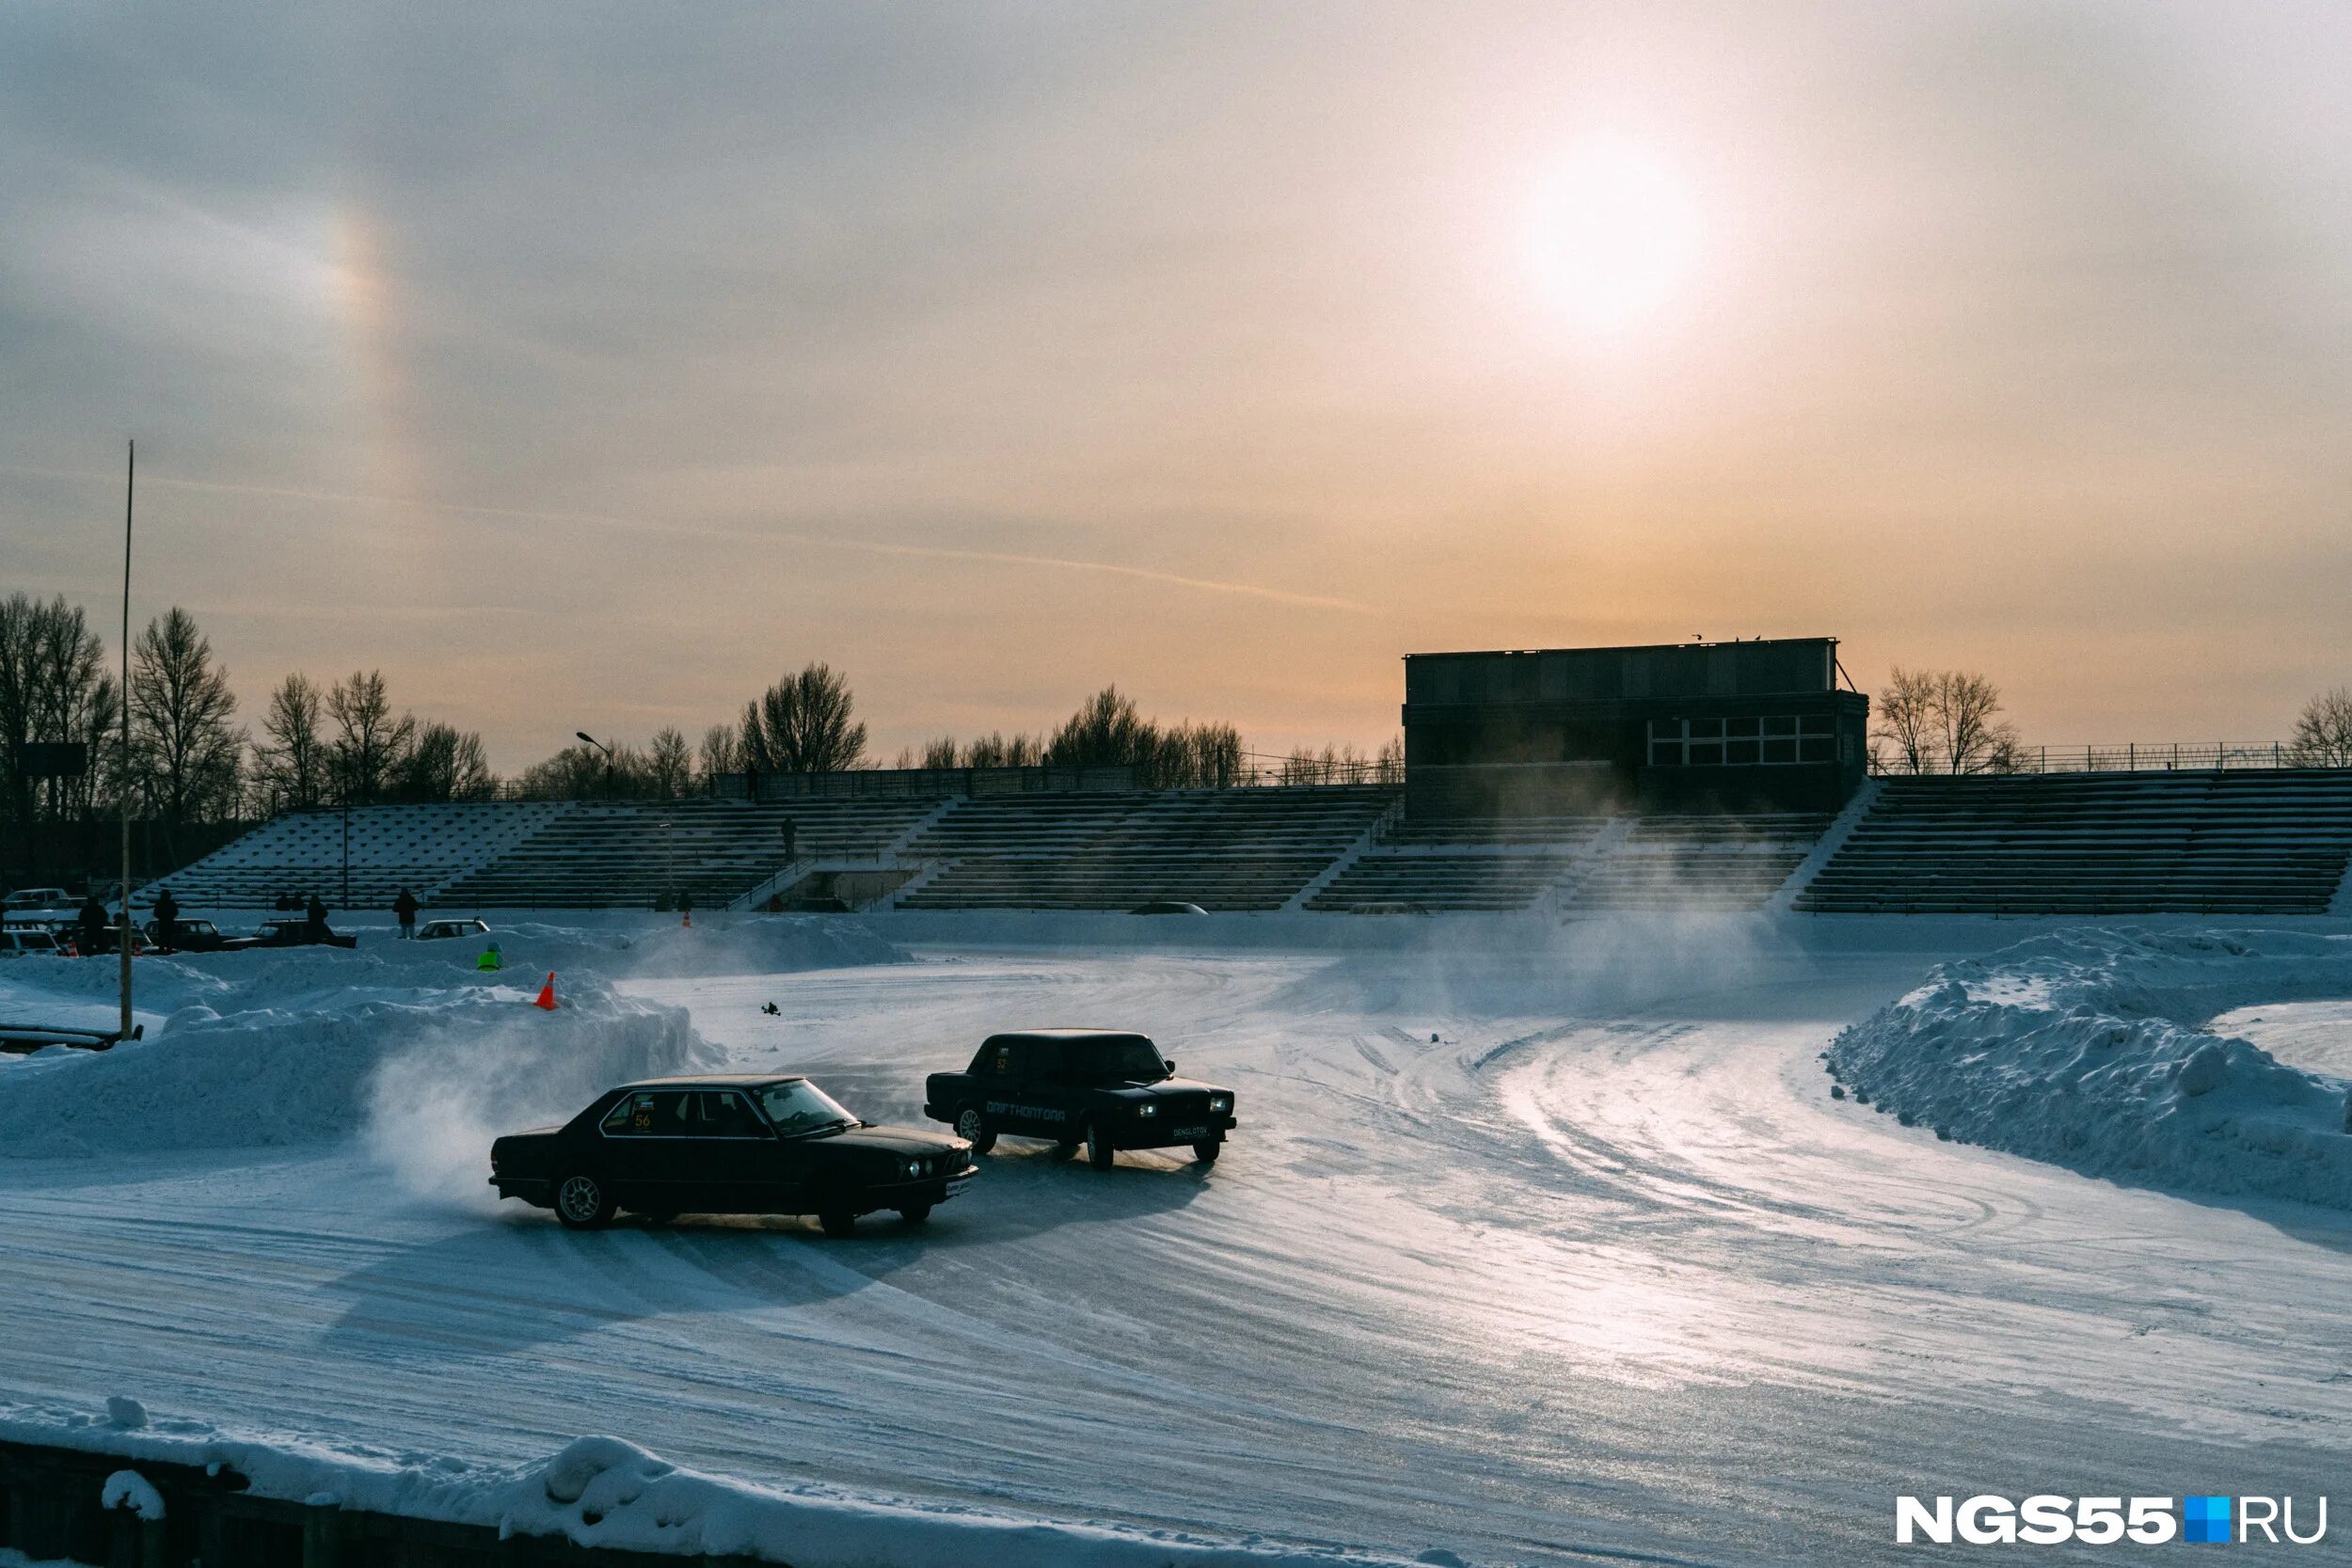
1613, 233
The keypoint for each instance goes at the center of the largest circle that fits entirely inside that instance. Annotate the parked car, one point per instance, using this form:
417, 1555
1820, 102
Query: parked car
441, 930
1168, 906
16, 941
1106, 1088
298, 933
197, 936
38, 898
728, 1144
109, 941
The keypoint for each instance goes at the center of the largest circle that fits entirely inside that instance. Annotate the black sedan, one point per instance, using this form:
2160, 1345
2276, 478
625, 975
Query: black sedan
730, 1144
298, 933
195, 936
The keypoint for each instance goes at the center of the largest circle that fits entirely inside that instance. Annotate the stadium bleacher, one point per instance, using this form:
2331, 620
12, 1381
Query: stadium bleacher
2273, 842
1221, 850
1711, 863
631, 854
387, 848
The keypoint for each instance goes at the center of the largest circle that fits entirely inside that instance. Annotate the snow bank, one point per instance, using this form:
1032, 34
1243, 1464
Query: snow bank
605, 1492
290, 1066
2088, 1048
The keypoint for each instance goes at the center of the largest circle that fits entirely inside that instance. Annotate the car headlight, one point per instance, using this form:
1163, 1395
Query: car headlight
1147, 1110
914, 1168
1221, 1102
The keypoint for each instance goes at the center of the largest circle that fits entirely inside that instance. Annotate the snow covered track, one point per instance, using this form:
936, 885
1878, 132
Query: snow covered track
1601, 1272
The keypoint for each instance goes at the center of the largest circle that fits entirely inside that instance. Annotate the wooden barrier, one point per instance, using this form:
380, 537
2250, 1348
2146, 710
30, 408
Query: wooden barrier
51, 1509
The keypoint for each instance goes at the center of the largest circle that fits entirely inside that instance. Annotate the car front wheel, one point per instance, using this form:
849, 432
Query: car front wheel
1099, 1149
973, 1129
838, 1223
915, 1213
1207, 1152
582, 1203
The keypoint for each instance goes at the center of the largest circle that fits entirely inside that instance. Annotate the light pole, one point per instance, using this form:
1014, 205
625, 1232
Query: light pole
607, 759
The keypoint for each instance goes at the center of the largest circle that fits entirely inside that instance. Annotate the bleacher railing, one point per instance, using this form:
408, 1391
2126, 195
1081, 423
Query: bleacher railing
2166, 757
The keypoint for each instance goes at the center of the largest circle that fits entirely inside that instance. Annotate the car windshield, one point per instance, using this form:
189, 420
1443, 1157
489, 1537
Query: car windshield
1128, 1061
801, 1106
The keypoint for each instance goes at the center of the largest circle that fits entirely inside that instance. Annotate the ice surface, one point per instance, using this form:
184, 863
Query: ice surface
1533, 1246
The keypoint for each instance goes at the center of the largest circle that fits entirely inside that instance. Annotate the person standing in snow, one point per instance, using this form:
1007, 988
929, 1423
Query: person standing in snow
317, 914
167, 919
404, 911
92, 921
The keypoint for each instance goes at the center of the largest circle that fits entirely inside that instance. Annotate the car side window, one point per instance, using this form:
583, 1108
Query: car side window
721, 1114
643, 1115
1041, 1062
1000, 1062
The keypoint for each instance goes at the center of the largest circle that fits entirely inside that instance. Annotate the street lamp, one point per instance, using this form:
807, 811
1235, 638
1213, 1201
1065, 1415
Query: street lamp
607, 759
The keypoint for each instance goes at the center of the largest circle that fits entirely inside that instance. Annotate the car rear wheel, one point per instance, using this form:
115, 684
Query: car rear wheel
915, 1213
1207, 1152
582, 1203
838, 1223
973, 1129
1099, 1149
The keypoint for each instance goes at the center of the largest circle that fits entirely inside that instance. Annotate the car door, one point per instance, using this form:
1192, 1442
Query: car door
1043, 1093
735, 1163
644, 1154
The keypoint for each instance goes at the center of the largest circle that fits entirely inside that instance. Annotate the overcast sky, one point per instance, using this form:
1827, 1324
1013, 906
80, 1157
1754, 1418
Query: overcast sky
588, 366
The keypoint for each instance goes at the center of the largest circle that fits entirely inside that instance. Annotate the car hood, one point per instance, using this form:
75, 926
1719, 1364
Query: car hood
889, 1140
1165, 1087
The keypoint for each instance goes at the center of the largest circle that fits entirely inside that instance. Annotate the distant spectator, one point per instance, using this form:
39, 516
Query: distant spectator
287, 903
317, 913
404, 911
92, 921
167, 919
791, 839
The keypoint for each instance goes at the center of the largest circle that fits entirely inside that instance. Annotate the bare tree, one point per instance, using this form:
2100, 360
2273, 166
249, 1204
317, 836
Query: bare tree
444, 764
369, 741
2323, 731
940, 752
1974, 738
1942, 721
293, 762
722, 752
54, 688
802, 724
997, 750
1107, 731
1389, 766
181, 736
1906, 722
669, 764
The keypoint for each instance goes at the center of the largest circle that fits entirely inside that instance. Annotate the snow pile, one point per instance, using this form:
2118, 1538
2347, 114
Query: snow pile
2086, 1048
274, 1061
129, 1489
606, 1492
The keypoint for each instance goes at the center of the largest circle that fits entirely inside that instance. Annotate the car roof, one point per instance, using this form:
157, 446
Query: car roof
1067, 1037
728, 1080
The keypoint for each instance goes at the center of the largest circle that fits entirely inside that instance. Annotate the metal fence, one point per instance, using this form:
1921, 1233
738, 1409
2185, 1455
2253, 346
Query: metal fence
2163, 756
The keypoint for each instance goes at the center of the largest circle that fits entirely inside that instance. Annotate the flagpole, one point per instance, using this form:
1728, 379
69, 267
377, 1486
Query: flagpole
130, 481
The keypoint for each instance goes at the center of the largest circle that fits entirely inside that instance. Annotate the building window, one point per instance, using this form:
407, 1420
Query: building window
1772, 740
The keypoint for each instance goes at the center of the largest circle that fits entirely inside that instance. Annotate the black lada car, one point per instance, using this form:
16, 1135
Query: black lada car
1106, 1088
728, 1144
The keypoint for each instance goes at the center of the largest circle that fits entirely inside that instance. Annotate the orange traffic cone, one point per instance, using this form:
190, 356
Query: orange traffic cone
546, 993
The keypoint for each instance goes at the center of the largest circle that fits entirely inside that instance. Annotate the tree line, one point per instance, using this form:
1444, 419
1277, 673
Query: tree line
194, 759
